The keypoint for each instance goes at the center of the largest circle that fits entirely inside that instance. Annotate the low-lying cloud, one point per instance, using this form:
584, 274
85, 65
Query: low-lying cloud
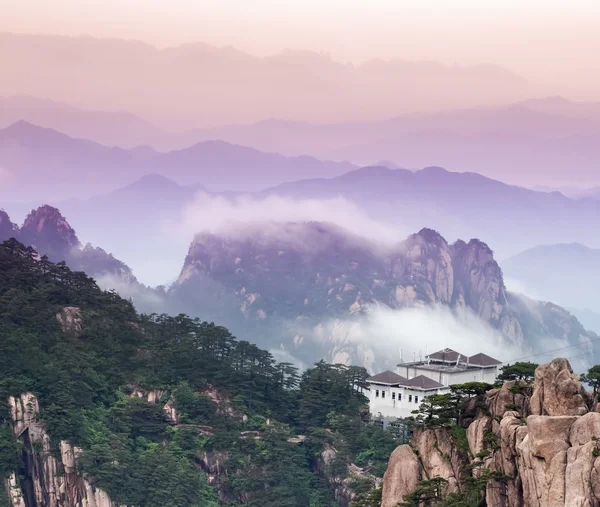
209, 213
385, 336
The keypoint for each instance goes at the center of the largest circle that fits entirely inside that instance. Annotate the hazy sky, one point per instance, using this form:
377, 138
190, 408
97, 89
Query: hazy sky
553, 43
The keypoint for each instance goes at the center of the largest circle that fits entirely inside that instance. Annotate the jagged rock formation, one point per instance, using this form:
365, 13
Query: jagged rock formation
7, 228
314, 280
48, 232
543, 447
558, 391
47, 480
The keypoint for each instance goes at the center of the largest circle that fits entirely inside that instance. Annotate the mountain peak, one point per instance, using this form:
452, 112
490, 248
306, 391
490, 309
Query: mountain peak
150, 182
7, 228
46, 229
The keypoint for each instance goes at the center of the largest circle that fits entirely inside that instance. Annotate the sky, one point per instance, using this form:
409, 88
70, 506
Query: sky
552, 43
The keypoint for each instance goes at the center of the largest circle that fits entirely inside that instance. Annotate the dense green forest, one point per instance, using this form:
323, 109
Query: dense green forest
84, 373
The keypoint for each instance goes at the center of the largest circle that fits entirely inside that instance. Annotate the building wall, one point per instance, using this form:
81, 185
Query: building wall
390, 401
460, 377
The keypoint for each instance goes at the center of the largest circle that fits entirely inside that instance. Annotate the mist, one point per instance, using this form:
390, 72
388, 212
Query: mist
209, 213
385, 336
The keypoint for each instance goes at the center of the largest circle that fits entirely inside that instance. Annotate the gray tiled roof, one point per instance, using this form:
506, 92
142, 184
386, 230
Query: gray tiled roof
483, 360
387, 377
447, 355
423, 382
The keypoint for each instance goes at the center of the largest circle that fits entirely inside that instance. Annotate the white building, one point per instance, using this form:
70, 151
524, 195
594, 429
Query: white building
393, 395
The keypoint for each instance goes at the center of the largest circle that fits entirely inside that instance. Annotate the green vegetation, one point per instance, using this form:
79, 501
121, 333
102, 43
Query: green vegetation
447, 409
592, 378
524, 372
234, 402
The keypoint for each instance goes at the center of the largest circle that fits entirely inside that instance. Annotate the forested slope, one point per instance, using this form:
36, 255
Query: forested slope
171, 411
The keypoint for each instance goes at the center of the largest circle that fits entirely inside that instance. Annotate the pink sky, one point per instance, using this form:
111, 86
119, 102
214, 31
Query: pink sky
554, 44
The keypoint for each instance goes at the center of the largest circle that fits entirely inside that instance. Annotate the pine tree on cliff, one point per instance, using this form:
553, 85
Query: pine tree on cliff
592, 378
520, 371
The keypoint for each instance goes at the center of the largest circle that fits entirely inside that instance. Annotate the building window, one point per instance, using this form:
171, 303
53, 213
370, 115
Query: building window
410, 398
383, 394
399, 396
377, 393
393, 396
416, 399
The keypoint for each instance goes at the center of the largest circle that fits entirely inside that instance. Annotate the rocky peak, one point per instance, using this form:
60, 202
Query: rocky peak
7, 228
423, 265
479, 280
315, 272
48, 231
558, 391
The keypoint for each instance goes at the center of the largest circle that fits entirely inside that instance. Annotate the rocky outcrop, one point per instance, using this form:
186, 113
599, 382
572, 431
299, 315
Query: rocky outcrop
558, 391
70, 320
46, 479
480, 285
341, 486
548, 458
155, 396
431, 453
512, 396
401, 477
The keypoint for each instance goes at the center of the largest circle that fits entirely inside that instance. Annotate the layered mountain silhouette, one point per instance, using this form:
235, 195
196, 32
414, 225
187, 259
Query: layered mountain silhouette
197, 84
309, 287
312, 289
526, 143
47, 162
511, 218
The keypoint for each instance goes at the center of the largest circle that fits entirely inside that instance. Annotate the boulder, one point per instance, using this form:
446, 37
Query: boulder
401, 477
558, 391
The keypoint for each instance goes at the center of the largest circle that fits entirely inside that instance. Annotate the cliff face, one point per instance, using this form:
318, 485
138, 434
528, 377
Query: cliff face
537, 449
291, 280
47, 479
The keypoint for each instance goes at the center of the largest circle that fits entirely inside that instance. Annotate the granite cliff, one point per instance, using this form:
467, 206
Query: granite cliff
46, 478
303, 283
527, 446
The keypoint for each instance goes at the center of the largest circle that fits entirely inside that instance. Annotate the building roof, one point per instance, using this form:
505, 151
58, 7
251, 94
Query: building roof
446, 355
423, 382
483, 360
387, 377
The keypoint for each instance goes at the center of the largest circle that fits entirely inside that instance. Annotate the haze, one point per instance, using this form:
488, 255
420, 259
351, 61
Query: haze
552, 45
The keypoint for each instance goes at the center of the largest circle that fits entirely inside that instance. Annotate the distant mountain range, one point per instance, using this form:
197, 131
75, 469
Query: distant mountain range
197, 85
42, 162
459, 204
512, 219
545, 141
568, 274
